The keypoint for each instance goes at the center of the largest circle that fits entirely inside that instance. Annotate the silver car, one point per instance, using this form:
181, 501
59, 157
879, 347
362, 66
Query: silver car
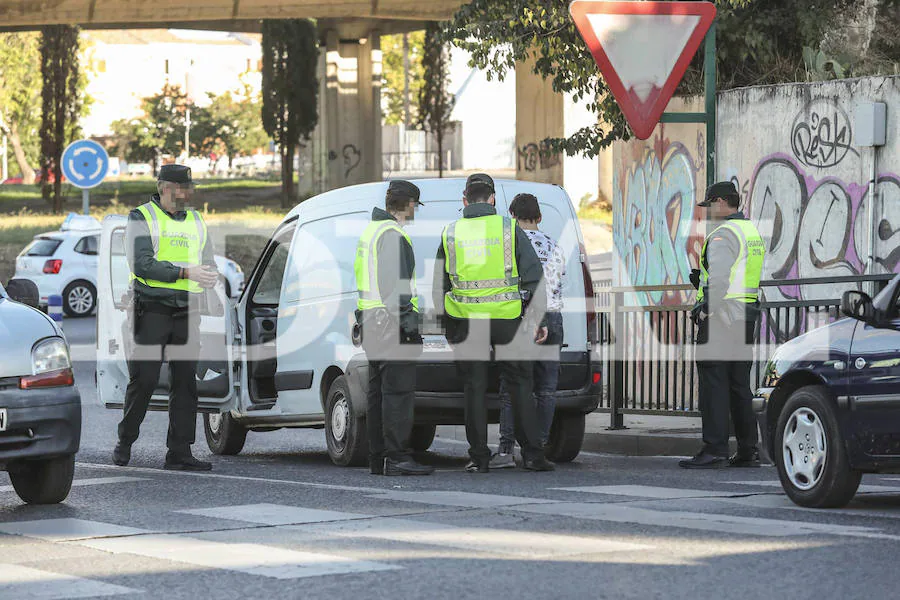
40, 409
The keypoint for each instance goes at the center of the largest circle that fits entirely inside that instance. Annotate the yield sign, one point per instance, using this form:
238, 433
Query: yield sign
643, 50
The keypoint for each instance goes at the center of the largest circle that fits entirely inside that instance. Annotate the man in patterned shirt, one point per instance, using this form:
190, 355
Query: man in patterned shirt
527, 213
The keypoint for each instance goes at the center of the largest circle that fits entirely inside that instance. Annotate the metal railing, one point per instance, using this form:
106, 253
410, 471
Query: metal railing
647, 353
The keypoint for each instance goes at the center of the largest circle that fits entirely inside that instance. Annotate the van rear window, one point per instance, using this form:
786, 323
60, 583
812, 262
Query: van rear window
41, 247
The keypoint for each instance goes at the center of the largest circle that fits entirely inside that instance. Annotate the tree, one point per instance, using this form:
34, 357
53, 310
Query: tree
134, 141
160, 130
20, 93
290, 90
61, 104
231, 125
759, 42
396, 77
435, 102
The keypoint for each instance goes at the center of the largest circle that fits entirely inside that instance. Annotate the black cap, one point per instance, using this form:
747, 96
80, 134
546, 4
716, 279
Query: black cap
179, 174
479, 182
723, 189
401, 187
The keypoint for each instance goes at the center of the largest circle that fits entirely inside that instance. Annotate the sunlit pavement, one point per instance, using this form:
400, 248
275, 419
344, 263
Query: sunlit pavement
279, 521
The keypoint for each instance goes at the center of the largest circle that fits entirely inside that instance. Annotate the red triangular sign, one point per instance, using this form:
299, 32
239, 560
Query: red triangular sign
643, 50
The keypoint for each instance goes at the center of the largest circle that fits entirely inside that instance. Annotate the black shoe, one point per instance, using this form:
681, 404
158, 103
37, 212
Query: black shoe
186, 463
376, 466
121, 455
745, 459
538, 464
476, 467
405, 467
704, 460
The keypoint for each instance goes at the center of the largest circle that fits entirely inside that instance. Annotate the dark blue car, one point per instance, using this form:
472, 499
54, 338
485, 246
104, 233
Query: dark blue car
829, 407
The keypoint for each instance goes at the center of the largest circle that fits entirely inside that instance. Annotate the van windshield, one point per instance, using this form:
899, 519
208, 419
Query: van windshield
41, 247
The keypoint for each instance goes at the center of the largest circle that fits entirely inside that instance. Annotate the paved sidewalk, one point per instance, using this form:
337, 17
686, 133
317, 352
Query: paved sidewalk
644, 436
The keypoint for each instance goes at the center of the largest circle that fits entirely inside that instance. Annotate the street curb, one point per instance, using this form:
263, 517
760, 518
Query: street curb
641, 443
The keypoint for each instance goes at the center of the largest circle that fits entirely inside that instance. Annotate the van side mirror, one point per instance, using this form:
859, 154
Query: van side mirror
24, 291
858, 305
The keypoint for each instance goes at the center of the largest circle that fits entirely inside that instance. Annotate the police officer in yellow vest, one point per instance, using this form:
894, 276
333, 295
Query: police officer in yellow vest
485, 274
388, 312
726, 312
171, 261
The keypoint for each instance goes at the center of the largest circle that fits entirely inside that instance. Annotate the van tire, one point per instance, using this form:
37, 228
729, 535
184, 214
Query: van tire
45, 481
566, 437
835, 484
422, 437
224, 435
345, 431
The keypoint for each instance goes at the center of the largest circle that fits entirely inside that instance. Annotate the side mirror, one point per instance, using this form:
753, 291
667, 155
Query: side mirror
24, 291
858, 305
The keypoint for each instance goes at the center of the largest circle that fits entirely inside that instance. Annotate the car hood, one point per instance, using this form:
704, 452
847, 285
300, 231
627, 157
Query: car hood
20, 327
822, 349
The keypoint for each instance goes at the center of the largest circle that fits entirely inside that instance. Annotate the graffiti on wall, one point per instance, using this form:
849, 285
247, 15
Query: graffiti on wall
533, 157
653, 214
822, 134
817, 228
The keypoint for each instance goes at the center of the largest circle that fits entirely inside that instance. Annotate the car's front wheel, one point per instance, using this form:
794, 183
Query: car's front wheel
224, 435
809, 452
566, 437
43, 481
345, 431
79, 299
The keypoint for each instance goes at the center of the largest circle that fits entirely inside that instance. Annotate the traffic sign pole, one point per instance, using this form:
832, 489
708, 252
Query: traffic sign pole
86, 201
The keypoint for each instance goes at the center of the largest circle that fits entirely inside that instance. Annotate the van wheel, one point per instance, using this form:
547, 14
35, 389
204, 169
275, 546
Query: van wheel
566, 437
422, 437
79, 299
345, 431
224, 435
809, 452
43, 481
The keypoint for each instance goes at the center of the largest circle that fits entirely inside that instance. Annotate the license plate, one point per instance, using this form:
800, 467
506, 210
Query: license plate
3, 419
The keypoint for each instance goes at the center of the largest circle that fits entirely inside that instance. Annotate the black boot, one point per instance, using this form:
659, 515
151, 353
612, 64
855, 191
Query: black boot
405, 467
376, 466
704, 460
745, 459
121, 454
186, 463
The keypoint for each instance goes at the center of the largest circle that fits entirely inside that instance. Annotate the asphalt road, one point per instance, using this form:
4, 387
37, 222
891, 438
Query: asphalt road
279, 521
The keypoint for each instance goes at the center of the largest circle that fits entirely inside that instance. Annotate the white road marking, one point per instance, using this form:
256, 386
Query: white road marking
89, 481
18, 581
273, 514
620, 513
461, 499
863, 489
254, 559
646, 491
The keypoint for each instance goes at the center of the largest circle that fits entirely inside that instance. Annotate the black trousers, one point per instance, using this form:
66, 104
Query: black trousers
479, 337
391, 404
178, 338
724, 385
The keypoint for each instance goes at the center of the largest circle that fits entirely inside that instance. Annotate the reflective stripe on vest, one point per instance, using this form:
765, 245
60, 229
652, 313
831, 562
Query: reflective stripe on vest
481, 262
366, 265
746, 272
178, 242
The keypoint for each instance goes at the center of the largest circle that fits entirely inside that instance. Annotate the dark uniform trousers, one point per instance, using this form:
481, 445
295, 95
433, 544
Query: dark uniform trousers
391, 401
174, 334
725, 358
480, 335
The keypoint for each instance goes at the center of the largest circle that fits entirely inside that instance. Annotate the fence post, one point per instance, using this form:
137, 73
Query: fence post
617, 372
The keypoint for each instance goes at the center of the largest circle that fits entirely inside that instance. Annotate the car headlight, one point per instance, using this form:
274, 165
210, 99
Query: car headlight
50, 355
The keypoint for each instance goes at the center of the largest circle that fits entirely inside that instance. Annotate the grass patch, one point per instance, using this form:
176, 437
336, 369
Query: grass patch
594, 213
131, 187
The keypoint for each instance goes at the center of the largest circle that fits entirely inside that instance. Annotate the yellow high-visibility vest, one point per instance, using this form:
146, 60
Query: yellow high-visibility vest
366, 265
178, 242
746, 271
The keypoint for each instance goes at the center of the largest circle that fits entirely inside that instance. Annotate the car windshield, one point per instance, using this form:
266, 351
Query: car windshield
41, 247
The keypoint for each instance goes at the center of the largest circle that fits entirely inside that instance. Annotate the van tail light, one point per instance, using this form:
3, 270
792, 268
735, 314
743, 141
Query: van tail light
52, 267
595, 378
60, 378
590, 305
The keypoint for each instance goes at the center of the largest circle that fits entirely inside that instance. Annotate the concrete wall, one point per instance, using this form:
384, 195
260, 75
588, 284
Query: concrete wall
793, 152
656, 186
539, 115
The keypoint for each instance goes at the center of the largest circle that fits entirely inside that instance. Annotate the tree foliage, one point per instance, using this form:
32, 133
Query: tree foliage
20, 97
435, 102
230, 125
61, 104
290, 90
159, 131
759, 42
393, 88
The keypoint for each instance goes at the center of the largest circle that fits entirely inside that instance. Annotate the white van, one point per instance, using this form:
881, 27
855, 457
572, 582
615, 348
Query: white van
282, 356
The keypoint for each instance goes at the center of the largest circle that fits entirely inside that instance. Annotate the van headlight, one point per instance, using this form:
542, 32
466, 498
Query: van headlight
234, 267
50, 355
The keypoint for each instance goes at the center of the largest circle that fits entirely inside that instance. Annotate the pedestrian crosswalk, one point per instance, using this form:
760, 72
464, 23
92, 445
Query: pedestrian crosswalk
288, 541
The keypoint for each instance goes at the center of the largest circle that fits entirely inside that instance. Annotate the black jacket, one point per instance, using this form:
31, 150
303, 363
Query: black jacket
530, 270
142, 261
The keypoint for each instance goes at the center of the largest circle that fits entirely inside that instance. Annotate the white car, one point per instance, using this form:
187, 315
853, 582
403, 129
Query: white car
64, 263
